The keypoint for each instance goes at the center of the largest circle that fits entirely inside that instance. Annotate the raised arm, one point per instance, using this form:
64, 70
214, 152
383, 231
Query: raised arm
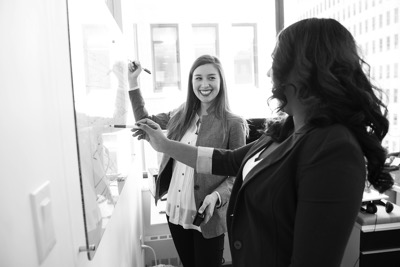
137, 100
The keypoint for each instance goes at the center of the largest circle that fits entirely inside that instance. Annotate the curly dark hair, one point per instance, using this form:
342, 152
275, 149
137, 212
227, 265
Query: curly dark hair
333, 81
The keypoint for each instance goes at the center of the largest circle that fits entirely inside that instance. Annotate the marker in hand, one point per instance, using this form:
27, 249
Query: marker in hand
123, 126
135, 67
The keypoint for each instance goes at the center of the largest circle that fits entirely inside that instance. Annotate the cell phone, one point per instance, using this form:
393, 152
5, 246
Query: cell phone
199, 218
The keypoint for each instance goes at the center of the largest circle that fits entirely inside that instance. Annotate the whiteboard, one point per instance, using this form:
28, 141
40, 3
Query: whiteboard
100, 90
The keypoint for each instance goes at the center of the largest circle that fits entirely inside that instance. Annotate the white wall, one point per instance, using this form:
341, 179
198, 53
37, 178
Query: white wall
37, 144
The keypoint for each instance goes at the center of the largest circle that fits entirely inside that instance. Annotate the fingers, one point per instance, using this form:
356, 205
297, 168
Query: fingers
147, 124
134, 66
208, 207
137, 132
144, 129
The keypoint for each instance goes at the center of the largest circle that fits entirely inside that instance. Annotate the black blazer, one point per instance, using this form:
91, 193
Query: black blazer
296, 207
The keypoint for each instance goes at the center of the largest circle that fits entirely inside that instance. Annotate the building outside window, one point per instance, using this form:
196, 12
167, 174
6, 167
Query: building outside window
384, 57
165, 56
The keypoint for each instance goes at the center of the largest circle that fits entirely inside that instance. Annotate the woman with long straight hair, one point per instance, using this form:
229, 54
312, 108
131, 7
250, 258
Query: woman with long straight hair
204, 119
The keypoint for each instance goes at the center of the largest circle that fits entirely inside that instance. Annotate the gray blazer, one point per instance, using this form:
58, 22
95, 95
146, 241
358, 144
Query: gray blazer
210, 135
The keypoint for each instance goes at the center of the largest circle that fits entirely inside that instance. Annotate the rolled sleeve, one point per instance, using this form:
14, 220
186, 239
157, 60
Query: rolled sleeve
204, 160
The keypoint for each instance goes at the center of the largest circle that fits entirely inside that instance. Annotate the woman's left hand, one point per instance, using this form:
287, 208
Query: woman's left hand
208, 206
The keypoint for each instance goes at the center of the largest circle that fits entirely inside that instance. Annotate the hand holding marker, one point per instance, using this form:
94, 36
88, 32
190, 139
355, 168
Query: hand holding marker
123, 126
135, 66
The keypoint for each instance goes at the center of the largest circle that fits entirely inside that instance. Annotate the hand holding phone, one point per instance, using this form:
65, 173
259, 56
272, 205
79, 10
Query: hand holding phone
199, 218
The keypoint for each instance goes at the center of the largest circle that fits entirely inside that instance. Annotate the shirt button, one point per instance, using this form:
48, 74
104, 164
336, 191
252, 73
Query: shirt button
237, 245
177, 206
196, 187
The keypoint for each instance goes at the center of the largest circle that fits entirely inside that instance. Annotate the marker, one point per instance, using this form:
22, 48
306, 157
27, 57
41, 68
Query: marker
146, 70
123, 126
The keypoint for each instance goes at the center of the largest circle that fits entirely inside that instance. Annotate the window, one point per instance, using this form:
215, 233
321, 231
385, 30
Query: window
387, 71
373, 47
245, 54
165, 45
385, 67
205, 40
373, 23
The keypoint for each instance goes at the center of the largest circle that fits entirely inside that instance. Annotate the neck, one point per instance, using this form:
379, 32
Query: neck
203, 109
299, 121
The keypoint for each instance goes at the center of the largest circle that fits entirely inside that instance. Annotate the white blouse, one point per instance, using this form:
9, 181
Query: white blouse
181, 206
251, 163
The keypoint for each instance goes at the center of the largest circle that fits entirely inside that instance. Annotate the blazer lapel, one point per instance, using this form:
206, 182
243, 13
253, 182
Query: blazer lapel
280, 152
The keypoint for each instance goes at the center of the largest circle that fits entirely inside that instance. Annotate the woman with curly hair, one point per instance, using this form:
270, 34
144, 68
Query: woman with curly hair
299, 187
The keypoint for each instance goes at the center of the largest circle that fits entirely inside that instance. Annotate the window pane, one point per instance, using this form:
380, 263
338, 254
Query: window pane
165, 57
205, 40
244, 54
384, 57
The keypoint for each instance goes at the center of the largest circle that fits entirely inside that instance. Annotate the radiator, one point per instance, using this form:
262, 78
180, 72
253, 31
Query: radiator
164, 248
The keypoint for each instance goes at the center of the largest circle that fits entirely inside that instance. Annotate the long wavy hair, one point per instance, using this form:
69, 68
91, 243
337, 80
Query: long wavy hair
333, 82
180, 121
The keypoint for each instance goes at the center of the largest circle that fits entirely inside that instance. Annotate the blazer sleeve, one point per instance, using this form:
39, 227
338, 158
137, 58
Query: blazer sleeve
330, 180
228, 162
236, 139
140, 111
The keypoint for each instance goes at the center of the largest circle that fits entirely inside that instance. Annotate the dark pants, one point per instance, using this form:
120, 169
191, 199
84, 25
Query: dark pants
196, 251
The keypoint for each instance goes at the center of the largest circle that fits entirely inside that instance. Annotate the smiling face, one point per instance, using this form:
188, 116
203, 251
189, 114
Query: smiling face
206, 84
